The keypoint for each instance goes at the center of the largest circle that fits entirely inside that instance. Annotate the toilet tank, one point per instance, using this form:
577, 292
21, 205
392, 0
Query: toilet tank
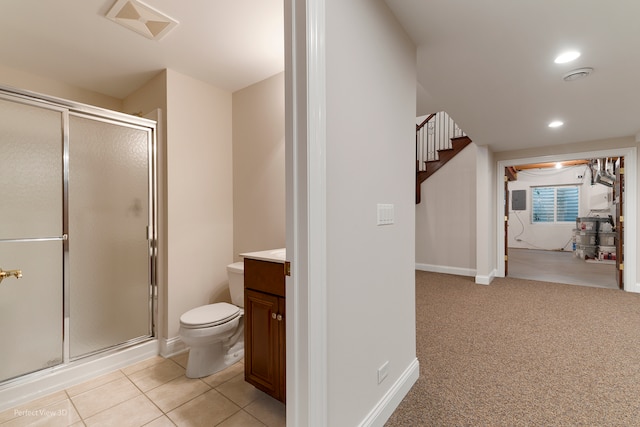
235, 272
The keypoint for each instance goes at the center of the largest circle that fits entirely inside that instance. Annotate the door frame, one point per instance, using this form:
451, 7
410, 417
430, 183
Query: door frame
305, 148
619, 202
630, 209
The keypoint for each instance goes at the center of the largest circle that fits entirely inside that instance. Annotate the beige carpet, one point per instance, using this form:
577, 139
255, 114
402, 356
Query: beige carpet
523, 353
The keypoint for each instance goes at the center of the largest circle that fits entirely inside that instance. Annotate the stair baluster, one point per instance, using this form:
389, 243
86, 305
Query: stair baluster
438, 140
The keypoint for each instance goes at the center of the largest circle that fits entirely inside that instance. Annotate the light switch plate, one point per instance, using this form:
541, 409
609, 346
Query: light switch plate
386, 215
383, 371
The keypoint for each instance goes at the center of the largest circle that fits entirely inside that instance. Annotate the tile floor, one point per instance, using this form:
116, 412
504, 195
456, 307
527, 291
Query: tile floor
154, 393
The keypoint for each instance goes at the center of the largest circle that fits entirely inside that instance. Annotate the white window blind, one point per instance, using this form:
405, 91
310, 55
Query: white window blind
554, 204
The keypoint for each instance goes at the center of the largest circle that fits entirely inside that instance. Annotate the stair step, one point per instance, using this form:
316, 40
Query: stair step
444, 155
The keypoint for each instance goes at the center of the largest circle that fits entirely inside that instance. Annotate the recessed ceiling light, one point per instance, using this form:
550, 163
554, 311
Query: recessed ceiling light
555, 124
567, 57
558, 165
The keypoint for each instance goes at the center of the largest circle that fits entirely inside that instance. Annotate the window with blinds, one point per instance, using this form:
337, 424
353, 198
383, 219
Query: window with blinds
554, 204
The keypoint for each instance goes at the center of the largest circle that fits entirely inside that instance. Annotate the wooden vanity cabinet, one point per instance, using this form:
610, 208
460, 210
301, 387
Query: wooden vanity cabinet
264, 328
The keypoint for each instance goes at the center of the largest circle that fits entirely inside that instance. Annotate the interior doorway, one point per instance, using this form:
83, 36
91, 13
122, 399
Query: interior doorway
563, 221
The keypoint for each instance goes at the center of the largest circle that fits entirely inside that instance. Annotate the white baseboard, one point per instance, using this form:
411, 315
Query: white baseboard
49, 381
170, 347
392, 398
485, 279
635, 288
458, 271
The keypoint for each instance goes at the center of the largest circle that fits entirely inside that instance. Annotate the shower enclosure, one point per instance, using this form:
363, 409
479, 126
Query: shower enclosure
77, 232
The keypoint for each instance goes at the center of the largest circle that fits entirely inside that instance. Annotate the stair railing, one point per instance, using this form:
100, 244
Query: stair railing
432, 134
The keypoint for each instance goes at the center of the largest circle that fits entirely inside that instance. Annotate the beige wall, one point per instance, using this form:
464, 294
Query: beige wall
445, 218
259, 167
147, 98
43, 85
485, 239
370, 269
195, 192
199, 195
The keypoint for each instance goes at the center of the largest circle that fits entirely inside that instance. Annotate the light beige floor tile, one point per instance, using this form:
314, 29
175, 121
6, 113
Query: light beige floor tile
241, 419
181, 359
268, 410
239, 391
7, 414
106, 396
114, 399
61, 414
134, 413
156, 375
163, 421
176, 392
143, 365
225, 375
94, 383
206, 410
34, 405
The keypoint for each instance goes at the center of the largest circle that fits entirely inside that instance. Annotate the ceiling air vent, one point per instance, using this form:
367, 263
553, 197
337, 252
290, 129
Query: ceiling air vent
141, 18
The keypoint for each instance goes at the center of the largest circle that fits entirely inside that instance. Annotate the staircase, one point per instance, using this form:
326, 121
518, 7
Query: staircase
438, 140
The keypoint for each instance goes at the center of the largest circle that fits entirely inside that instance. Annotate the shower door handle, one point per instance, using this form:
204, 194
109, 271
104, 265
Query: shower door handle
64, 237
8, 273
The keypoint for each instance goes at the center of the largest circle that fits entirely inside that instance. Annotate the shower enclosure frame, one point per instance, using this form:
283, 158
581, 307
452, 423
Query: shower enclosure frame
67, 109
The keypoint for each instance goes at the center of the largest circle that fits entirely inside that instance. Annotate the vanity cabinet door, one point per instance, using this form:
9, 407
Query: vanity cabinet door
264, 342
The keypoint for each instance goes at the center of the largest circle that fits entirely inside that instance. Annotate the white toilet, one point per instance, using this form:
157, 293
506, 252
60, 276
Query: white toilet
215, 332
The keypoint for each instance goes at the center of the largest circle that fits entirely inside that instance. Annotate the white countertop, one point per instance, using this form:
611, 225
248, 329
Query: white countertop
271, 255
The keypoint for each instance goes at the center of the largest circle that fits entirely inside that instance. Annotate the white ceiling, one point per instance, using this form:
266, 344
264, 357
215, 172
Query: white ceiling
229, 44
488, 63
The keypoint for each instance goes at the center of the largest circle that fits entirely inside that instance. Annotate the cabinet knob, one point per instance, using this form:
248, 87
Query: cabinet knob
273, 315
279, 317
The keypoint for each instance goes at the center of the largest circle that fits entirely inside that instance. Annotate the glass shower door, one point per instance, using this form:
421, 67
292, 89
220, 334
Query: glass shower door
109, 216
31, 238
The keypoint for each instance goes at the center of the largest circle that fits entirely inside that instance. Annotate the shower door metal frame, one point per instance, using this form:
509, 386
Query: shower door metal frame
150, 232
66, 107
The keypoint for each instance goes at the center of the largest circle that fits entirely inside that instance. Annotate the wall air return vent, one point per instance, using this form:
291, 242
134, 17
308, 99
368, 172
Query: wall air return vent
141, 18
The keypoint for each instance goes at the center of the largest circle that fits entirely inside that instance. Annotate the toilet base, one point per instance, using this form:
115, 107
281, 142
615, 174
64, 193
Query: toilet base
207, 361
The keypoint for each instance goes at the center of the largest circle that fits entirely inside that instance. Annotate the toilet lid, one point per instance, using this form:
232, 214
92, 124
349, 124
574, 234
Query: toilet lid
209, 315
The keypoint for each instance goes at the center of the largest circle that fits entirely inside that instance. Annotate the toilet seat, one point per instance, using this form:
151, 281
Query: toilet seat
209, 315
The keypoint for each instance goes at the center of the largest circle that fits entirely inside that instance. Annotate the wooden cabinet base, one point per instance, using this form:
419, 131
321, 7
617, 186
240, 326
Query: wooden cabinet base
265, 328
